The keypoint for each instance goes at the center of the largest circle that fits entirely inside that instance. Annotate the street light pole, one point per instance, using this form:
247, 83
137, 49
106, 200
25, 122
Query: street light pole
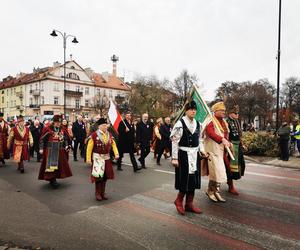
64, 36
278, 67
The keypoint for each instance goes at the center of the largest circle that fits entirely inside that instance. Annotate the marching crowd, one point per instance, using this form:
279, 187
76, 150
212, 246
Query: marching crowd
214, 149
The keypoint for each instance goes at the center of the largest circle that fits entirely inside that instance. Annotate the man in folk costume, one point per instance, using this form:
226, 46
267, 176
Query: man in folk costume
186, 145
4, 132
20, 136
98, 154
215, 140
55, 144
237, 166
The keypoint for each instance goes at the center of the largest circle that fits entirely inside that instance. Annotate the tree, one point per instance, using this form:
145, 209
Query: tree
290, 95
183, 84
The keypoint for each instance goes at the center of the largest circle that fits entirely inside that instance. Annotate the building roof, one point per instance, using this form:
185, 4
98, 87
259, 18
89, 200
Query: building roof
109, 81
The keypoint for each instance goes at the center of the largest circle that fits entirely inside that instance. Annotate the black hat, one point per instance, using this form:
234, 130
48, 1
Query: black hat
57, 118
190, 105
1, 114
102, 121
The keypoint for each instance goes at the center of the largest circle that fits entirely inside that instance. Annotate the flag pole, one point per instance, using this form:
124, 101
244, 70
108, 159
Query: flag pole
212, 119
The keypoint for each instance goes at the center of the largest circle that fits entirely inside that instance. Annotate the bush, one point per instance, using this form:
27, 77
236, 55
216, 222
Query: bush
260, 143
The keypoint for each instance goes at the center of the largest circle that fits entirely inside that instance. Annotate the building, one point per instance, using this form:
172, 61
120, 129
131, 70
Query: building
41, 93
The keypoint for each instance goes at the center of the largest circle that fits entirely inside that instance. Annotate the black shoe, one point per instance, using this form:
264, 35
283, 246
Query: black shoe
3, 162
22, 170
75, 159
144, 167
135, 169
54, 184
120, 169
158, 164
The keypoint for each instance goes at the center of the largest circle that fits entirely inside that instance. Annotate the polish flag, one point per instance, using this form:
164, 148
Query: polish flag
114, 116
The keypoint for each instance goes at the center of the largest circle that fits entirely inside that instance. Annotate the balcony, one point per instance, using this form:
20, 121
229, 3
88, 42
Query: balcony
19, 94
73, 93
34, 106
35, 92
73, 107
19, 107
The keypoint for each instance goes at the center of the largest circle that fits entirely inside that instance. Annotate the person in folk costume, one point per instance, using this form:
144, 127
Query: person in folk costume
20, 136
186, 145
165, 143
98, 154
237, 166
216, 138
156, 138
55, 144
4, 133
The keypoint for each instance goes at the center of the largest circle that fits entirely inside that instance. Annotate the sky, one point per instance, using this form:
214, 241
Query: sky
218, 40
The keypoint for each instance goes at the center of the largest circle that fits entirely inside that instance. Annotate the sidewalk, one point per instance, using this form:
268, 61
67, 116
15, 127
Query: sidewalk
293, 162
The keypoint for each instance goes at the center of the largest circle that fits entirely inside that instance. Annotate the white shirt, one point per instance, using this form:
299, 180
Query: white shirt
177, 132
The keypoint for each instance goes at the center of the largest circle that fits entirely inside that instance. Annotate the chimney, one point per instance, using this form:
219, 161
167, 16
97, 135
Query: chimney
114, 59
56, 64
89, 72
105, 76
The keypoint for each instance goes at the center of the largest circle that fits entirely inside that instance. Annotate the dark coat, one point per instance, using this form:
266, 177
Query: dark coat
126, 139
79, 131
144, 133
36, 134
165, 132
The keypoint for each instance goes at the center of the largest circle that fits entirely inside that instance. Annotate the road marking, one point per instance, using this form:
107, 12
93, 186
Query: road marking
164, 171
273, 176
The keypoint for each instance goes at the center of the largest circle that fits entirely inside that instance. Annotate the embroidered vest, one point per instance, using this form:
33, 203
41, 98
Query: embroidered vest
99, 146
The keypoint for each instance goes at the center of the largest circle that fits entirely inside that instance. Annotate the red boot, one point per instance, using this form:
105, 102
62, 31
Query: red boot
179, 203
231, 188
103, 184
98, 191
189, 206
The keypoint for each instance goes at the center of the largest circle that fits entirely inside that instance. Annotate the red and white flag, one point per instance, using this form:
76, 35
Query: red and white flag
114, 116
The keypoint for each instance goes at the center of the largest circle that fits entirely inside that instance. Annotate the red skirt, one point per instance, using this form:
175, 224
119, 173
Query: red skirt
63, 171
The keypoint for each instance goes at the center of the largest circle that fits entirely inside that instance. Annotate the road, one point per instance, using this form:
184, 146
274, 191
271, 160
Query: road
140, 213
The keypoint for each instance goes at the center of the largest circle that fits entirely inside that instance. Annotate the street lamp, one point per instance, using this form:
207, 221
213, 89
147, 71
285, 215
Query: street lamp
64, 36
278, 67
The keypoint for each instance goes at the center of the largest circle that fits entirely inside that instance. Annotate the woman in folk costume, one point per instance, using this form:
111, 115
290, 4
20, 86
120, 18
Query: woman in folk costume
20, 136
4, 133
55, 144
186, 145
156, 138
237, 166
215, 140
98, 154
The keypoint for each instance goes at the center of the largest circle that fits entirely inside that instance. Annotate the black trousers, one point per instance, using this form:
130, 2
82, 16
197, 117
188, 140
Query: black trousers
36, 149
161, 150
81, 148
132, 159
284, 150
145, 150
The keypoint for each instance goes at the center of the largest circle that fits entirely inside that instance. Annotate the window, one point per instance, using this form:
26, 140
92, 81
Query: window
110, 93
11, 103
68, 86
11, 91
14, 103
36, 86
2, 99
55, 100
98, 91
2, 91
31, 101
73, 76
87, 90
77, 103
42, 100
30, 87
56, 87
77, 88
86, 103
42, 86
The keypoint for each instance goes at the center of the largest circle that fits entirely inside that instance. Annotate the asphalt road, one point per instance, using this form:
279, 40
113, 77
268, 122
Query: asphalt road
140, 213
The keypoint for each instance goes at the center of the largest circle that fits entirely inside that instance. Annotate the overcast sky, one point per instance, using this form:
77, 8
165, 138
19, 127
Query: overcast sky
218, 40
